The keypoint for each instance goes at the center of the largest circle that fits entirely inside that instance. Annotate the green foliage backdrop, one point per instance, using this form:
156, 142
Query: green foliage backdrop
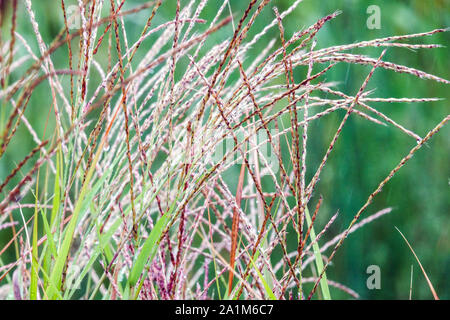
419, 193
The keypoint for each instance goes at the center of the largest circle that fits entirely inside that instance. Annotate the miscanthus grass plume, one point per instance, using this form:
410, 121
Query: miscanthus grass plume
127, 193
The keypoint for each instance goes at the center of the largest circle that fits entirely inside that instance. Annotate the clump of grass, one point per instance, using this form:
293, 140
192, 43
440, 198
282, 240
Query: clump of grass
129, 182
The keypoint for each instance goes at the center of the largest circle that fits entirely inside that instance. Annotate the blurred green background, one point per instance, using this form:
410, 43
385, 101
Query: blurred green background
365, 152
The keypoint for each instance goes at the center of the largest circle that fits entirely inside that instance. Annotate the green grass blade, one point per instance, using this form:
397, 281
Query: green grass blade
269, 291
48, 227
430, 285
150, 247
34, 261
55, 277
318, 258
